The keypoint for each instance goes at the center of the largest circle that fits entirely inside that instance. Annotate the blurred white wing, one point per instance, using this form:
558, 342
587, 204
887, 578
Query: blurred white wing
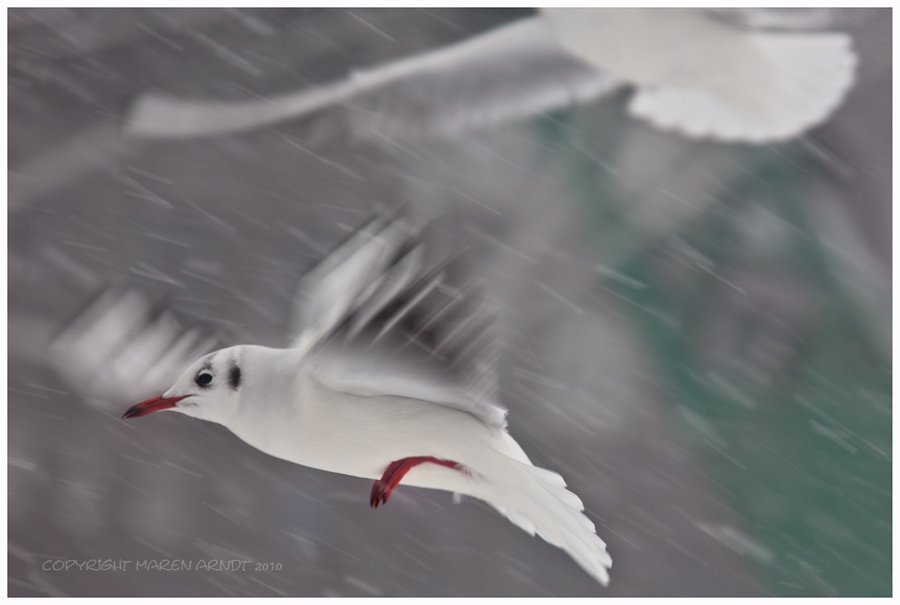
705, 77
512, 71
328, 293
123, 347
374, 322
695, 71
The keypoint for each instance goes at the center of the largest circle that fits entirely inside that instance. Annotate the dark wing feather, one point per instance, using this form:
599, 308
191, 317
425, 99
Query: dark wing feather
403, 330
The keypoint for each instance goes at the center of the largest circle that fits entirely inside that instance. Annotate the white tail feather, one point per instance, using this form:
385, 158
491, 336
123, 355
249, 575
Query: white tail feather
517, 519
536, 500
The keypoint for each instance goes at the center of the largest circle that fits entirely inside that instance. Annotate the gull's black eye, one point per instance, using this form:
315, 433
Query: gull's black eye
203, 379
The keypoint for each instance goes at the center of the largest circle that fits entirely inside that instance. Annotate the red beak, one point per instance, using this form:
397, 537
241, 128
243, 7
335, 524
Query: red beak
151, 405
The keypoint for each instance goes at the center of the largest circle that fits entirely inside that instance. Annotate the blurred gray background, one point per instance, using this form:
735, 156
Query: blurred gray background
697, 334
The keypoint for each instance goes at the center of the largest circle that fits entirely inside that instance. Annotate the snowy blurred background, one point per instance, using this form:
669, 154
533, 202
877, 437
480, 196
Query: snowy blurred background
697, 334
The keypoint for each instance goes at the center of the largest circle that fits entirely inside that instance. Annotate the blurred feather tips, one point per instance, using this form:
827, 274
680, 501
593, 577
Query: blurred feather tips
373, 315
122, 346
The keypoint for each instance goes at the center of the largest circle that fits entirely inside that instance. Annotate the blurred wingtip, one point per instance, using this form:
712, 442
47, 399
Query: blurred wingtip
123, 345
155, 116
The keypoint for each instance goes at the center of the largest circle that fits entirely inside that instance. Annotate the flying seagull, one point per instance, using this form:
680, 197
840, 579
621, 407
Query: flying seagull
727, 74
390, 376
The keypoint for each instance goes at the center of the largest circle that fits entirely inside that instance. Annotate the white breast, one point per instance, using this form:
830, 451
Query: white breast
314, 426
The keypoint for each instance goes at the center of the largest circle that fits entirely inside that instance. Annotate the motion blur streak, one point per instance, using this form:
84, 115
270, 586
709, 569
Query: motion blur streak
696, 333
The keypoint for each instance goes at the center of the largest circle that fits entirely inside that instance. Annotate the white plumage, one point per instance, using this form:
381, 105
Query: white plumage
406, 382
702, 73
708, 78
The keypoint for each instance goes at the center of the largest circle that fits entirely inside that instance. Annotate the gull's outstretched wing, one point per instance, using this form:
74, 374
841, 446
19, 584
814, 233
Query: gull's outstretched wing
513, 71
328, 293
705, 74
376, 321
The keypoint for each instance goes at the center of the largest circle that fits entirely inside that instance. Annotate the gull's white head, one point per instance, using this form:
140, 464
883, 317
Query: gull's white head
210, 389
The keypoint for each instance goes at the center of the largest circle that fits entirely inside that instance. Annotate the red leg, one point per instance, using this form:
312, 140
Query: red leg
395, 472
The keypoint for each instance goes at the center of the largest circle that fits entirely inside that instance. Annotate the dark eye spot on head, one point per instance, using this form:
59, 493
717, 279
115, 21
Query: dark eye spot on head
234, 377
203, 379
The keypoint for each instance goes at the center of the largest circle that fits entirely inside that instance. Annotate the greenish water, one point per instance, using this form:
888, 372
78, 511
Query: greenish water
763, 356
